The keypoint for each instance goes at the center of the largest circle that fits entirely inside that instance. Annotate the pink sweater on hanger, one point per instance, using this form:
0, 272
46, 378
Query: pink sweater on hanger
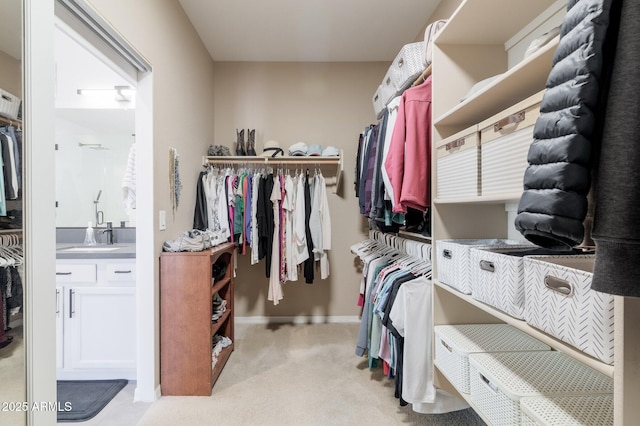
409, 161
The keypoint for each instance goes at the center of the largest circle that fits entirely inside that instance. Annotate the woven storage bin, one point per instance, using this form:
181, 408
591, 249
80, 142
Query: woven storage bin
587, 410
500, 380
378, 102
9, 104
454, 260
560, 302
497, 277
408, 65
386, 91
458, 165
504, 144
454, 343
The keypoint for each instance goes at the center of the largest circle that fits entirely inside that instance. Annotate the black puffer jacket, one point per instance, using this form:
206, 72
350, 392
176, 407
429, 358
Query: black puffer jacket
556, 183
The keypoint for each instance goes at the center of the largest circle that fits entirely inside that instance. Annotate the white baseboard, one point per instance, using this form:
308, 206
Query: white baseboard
299, 319
140, 396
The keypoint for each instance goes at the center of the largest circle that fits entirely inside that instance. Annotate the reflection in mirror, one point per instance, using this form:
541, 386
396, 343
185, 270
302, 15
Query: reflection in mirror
12, 352
95, 124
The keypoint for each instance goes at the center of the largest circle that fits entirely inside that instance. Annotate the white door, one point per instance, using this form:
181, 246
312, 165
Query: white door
100, 328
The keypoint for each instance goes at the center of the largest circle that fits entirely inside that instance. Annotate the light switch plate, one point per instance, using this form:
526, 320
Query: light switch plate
162, 220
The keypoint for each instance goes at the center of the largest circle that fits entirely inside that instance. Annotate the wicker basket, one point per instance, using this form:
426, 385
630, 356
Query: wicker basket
408, 65
454, 261
589, 410
500, 380
454, 344
9, 104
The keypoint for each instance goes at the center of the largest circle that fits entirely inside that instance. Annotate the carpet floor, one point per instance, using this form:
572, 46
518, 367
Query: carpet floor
285, 374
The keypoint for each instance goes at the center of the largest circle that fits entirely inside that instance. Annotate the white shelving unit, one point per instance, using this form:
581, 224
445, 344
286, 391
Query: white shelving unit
478, 42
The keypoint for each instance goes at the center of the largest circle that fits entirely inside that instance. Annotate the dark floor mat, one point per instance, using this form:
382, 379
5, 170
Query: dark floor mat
85, 398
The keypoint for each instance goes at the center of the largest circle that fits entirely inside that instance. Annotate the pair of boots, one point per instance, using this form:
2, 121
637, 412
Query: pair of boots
250, 145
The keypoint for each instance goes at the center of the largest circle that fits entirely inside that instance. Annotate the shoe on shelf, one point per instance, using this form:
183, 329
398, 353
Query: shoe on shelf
240, 151
251, 142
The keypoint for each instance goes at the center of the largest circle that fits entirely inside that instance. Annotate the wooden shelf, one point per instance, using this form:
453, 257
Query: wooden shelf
534, 332
218, 285
489, 199
215, 326
186, 328
490, 21
521, 81
334, 164
223, 357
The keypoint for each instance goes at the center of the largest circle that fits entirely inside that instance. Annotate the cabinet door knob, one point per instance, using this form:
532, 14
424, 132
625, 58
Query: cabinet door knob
64, 273
122, 272
72, 309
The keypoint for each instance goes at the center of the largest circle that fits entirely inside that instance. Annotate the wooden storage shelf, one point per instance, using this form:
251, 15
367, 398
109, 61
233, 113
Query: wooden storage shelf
534, 332
186, 329
223, 357
520, 82
484, 38
218, 285
492, 199
215, 326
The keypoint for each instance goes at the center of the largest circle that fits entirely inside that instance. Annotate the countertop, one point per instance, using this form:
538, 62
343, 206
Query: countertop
123, 250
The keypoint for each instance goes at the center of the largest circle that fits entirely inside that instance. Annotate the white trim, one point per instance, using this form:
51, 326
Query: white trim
146, 297
298, 319
39, 208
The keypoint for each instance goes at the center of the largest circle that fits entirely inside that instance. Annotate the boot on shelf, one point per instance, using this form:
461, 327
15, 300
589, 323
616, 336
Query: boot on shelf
251, 142
240, 143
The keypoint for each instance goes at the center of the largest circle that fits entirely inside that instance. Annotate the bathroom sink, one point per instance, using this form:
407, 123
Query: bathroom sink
89, 249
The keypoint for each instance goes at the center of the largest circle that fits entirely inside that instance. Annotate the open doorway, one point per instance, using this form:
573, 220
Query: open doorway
103, 137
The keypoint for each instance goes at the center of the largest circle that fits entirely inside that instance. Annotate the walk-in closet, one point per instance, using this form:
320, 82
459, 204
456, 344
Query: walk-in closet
328, 213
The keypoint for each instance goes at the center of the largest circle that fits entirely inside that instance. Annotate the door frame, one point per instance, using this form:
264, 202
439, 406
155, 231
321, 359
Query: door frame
39, 219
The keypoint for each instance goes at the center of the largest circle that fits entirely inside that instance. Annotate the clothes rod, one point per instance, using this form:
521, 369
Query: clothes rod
271, 160
425, 74
10, 121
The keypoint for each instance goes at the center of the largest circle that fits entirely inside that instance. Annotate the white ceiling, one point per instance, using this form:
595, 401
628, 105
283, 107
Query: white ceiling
307, 30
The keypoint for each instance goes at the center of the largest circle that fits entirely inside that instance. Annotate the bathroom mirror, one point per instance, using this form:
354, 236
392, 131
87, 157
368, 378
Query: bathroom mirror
95, 124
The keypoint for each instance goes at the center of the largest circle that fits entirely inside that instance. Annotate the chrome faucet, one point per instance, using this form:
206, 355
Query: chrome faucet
109, 232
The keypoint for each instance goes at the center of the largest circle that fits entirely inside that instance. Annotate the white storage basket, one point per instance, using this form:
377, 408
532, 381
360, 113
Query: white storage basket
386, 91
504, 144
378, 102
454, 260
9, 104
560, 302
497, 277
458, 165
584, 410
408, 65
454, 343
500, 380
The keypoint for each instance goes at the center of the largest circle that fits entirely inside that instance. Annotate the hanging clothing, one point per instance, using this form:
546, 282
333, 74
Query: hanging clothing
200, 214
275, 287
410, 150
309, 263
616, 222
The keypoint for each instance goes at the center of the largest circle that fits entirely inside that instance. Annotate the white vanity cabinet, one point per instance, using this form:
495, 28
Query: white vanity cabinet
96, 318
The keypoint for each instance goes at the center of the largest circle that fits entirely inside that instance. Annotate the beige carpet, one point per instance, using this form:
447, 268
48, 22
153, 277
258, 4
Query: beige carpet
297, 375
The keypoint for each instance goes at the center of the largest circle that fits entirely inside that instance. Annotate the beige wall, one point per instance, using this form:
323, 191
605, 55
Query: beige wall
324, 103
183, 88
10, 74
